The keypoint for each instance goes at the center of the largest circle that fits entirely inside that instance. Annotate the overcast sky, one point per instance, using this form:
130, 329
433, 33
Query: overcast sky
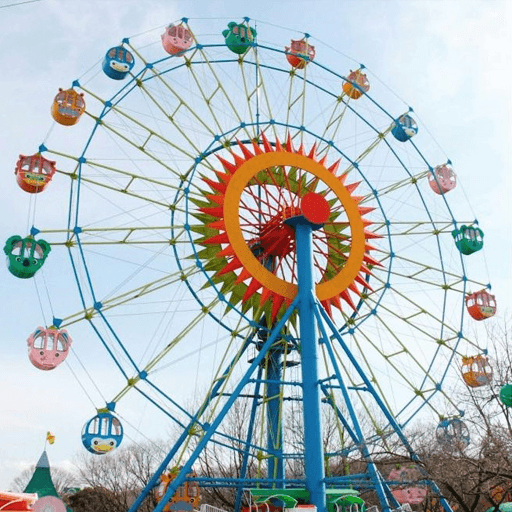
449, 59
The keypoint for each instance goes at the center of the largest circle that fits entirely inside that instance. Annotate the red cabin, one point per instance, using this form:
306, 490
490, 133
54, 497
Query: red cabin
442, 179
481, 305
68, 106
300, 53
33, 173
176, 39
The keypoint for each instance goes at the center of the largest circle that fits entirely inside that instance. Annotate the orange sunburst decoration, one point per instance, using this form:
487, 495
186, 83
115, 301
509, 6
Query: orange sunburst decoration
250, 246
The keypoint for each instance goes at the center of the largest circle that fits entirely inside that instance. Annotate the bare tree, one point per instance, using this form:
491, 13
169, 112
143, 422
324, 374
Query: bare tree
62, 479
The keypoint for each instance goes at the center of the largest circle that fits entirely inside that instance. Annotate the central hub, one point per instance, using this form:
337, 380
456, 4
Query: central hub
277, 239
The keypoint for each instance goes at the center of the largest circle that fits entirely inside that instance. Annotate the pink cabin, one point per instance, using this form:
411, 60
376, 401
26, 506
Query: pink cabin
33, 173
442, 179
481, 305
409, 492
47, 348
176, 39
300, 53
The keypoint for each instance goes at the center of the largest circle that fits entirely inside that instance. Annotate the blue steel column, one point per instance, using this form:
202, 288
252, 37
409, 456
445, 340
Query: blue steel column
314, 451
274, 420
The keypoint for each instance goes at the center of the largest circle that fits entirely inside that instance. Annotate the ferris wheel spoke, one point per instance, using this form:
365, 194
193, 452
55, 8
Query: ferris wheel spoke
418, 311
219, 88
418, 228
132, 295
333, 124
296, 106
261, 77
155, 74
371, 147
148, 132
385, 190
420, 392
418, 268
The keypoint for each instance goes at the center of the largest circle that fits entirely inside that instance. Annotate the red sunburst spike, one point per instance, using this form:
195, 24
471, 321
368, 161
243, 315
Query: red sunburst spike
334, 167
370, 234
245, 274
215, 185
363, 282
215, 198
348, 299
327, 306
233, 265
372, 261
253, 287
221, 238
279, 147
277, 302
228, 166
355, 289
245, 150
368, 247
289, 144
214, 211
256, 147
227, 251
312, 152
366, 270
301, 150
352, 186
223, 177
265, 295
266, 144
363, 210
322, 160
357, 199
343, 177
335, 301
217, 224
238, 160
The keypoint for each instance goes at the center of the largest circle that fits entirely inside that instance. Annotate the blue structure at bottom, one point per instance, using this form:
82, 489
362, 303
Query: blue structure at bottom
313, 486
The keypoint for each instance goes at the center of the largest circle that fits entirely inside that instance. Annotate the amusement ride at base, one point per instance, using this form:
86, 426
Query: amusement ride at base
239, 204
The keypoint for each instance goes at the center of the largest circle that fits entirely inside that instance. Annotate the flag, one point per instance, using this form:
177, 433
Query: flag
50, 437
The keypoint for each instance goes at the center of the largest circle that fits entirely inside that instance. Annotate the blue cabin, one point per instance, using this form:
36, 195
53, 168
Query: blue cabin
404, 128
118, 62
102, 434
453, 434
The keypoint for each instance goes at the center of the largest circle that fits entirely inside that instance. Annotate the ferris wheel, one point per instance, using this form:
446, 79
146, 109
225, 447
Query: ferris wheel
269, 225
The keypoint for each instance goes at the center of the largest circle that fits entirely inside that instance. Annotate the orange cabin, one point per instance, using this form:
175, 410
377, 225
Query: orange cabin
476, 371
481, 305
356, 85
33, 173
186, 497
68, 106
300, 53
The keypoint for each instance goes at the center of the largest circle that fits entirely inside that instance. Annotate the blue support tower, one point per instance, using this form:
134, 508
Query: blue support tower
313, 320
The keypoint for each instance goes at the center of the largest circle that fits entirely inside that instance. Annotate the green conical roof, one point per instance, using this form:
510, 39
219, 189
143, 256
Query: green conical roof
41, 481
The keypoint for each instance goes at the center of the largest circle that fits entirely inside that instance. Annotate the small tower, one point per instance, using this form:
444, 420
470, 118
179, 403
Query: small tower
42, 484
